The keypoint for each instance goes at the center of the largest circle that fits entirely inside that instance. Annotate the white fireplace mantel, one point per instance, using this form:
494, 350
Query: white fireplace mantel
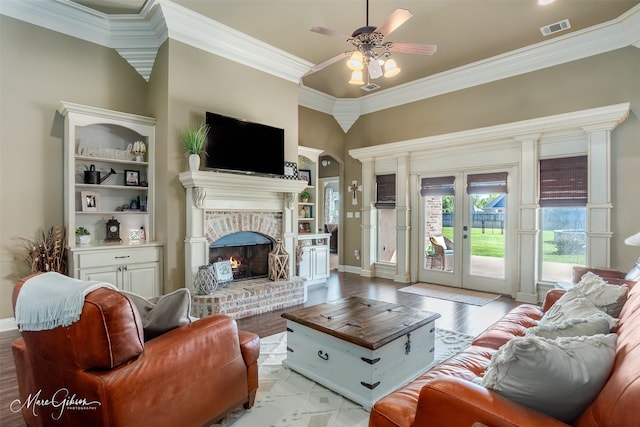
209, 191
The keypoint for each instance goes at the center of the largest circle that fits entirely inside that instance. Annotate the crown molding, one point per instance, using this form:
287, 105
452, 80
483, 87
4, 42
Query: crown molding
615, 34
137, 37
201, 32
594, 119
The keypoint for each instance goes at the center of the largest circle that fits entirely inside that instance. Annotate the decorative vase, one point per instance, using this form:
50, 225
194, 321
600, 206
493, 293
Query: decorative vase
205, 282
194, 162
278, 263
83, 240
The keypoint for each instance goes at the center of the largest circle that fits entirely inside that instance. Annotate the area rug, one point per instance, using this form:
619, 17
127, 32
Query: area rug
452, 294
287, 399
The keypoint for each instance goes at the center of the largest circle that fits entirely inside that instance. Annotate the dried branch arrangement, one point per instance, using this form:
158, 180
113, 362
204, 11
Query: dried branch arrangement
49, 253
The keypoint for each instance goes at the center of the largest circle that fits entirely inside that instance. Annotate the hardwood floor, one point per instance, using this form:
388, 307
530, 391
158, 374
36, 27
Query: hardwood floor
465, 318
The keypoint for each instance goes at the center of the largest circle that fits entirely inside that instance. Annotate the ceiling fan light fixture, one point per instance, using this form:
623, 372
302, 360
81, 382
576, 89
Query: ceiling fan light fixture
356, 78
391, 68
355, 62
374, 68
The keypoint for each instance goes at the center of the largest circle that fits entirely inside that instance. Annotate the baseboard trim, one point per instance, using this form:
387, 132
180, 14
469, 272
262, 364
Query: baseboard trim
350, 269
8, 324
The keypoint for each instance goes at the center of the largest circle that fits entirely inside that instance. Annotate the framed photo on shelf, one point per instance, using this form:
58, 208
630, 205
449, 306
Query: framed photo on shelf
304, 227
131, 178
90, 201
305, 175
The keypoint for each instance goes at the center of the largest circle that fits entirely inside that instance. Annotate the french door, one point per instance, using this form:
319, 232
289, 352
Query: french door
464, 235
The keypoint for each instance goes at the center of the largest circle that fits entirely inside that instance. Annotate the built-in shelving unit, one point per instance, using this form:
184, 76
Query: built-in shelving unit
307, 210
104, 180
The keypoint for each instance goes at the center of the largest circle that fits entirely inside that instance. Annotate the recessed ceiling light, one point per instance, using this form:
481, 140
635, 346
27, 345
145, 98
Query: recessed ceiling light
544, 2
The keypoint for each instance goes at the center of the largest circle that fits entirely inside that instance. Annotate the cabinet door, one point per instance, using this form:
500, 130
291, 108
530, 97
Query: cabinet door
306, 263
321, 262
142, 279
108, 274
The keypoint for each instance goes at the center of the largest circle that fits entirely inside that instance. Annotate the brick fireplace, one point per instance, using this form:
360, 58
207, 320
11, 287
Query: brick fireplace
221, 204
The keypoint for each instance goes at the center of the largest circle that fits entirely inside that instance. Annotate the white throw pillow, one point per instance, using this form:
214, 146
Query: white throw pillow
571, 328
608, 298
574, 305
558, 377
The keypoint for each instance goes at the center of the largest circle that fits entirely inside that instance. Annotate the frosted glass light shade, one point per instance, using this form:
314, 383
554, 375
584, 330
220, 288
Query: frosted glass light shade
355, 62
356, 78
633, 240
390, 68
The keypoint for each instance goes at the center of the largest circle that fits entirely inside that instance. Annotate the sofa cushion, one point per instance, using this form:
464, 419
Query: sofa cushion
571, 328
164, 313
574, 305
558, 377
608, 298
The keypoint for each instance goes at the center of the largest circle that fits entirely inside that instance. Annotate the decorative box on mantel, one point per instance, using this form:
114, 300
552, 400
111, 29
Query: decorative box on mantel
245, 203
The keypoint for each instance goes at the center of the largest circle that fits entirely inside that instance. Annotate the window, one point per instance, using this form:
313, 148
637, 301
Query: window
563, 199
386, 204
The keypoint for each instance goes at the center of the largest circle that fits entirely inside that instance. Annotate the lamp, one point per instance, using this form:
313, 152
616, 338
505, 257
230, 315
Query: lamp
356, 78
355, 61
391, 68
633, 240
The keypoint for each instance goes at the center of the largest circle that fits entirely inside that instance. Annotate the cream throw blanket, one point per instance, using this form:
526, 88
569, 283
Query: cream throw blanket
51, 299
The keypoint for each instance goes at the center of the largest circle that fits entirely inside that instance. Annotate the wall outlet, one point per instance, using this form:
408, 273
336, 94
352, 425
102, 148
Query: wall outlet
356, 253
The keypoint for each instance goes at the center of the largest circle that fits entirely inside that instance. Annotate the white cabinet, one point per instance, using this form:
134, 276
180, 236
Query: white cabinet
315, 258
135, 269
105, 179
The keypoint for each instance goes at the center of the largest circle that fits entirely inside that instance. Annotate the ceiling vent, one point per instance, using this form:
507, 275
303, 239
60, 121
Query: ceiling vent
555, 28
369, 87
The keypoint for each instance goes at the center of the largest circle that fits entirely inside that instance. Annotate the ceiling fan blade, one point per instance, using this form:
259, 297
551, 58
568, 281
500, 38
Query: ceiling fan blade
397, 18
330, 33
326, 63
421, 49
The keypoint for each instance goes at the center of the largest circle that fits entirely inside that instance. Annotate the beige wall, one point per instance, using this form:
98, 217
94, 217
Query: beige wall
40, 68
606, 79
200, 82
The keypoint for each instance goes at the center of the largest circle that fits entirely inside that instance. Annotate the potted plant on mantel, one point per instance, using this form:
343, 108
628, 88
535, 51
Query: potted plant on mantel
195, 140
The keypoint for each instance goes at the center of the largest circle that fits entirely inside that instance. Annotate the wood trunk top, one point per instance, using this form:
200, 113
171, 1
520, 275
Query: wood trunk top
364, 322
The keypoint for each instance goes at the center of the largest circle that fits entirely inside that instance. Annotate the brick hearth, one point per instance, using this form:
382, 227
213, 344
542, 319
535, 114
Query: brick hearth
250, 297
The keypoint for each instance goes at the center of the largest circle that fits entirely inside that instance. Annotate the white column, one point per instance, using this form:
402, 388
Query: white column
195, 243
599, 202
403, 219
369, 223
528, 214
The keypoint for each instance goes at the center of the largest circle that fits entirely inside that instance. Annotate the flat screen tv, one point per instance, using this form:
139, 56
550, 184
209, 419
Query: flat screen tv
241, 146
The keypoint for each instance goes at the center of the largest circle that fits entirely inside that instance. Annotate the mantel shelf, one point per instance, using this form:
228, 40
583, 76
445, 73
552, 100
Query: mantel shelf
229, 181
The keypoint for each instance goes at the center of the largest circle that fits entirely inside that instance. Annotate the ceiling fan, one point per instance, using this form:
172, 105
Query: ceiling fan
370, 50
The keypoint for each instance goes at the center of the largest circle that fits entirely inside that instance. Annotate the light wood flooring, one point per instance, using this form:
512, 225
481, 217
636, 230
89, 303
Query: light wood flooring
465, 318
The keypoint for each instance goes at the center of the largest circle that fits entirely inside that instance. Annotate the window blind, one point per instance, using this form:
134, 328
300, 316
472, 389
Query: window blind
386, 191
564, 181
486, 183
437, 186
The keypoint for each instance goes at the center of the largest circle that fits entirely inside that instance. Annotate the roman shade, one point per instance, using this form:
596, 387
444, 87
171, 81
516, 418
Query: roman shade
437, 186
386, 191
563, 182
486, 183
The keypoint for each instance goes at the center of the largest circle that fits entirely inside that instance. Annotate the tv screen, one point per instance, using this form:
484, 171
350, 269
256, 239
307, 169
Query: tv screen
242, 146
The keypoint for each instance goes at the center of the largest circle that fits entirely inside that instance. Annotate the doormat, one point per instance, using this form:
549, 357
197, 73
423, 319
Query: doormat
451, 294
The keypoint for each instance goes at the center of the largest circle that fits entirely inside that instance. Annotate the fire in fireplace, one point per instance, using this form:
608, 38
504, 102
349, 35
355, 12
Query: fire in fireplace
247, 251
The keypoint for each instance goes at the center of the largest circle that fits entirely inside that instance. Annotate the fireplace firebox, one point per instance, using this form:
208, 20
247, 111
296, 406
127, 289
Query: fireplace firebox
247, 251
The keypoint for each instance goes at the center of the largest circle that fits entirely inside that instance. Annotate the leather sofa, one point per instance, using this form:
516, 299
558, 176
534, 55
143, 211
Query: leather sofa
447, 396
100, 372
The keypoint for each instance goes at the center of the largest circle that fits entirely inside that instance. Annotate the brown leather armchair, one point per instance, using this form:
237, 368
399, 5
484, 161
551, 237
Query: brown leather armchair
100, 372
